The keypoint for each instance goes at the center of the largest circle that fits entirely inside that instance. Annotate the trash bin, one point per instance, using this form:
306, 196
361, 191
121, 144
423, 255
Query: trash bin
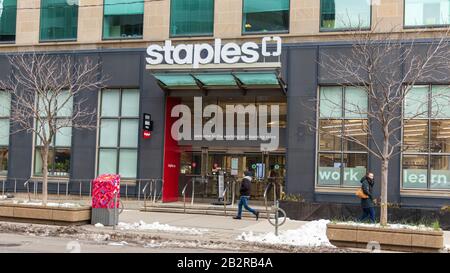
106, 193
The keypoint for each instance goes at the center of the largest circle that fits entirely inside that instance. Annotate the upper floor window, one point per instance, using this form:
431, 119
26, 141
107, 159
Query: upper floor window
192, 18
5, 103
59, 20
8, 11
123, 19
261, 16
419, 13
345, 14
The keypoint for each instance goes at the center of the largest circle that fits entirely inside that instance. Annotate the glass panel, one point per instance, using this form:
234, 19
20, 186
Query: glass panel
128, 163
354, 169
109, 129
356, 102
216, 79
40, 132
122, 7
8, 13
344, 14
329, 133
176, 80
356, 131
415, 136
129, 132
440, 172
427, 12
265, 16
110, 103
123, 26
64, 137
4, 161
5, 104
38, 162
61, 165
4, 132
329, 173
130, 103
257, 78
440, 136
193, 17
416, 102
59, 19
107, 161
415, 171
330, 102
440, 106
64, 104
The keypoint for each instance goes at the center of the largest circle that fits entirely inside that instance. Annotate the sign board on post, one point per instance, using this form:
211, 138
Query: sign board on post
147, 126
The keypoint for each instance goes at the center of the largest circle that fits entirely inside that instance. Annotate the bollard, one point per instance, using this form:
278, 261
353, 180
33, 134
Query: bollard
276, 218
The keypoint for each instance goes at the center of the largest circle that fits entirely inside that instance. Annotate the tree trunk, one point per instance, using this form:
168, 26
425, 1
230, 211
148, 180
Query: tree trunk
45, 174
384, 184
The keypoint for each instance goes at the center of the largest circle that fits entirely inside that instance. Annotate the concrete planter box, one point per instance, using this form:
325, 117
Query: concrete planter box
45, 214
389, 239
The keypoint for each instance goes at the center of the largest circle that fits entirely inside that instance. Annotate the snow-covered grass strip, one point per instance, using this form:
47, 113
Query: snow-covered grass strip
391, 226
312, 234
141, 225
61, 205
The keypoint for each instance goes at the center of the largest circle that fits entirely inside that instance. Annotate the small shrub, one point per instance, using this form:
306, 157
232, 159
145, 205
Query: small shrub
292, 197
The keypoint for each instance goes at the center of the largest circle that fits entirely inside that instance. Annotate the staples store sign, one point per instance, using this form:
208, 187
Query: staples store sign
200, 54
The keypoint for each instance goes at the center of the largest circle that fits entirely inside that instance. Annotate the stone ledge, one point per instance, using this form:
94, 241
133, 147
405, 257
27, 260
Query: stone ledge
45, 214
388, 238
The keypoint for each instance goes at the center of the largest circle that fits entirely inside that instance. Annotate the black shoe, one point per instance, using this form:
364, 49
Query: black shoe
237, 218
257, 215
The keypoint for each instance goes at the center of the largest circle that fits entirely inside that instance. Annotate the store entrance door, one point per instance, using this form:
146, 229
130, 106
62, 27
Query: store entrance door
211, 170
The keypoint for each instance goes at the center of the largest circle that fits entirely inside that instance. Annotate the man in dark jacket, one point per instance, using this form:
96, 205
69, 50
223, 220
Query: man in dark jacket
244, 191
367, 204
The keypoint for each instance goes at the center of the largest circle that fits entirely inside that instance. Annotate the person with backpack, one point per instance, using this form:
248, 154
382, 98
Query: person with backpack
245, 196
366, 195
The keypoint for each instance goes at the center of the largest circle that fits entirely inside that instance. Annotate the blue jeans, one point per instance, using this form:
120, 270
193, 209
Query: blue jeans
244, 202
368, 213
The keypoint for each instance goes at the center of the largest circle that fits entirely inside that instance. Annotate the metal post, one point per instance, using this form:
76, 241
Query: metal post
139, 190
15, 185
80, 189
126, 191
276, 218
3, 187
58, 189
115, 211
90, 188
193, 192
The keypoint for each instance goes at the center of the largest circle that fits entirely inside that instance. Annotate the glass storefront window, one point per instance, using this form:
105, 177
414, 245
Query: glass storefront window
342, 131
119, 131
5, 105
8, 14
428, 135
59, 20
263, 16
191, 18
345, 14
123, 19
419, 13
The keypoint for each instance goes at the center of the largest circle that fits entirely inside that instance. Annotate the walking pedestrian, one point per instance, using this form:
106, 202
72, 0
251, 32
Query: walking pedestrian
245, 196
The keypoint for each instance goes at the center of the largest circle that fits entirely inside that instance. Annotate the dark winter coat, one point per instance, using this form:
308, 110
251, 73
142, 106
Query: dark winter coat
367, 188
246, 186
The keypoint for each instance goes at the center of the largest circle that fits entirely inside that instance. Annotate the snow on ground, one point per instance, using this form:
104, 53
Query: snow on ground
99, 225
49, 204
392, 226
3, 197
312, 234
122, 243
141, 225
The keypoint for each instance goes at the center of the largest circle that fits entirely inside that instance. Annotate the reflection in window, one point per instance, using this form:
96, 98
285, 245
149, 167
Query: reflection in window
8, 13
191, 18
265, 16
59, 20
427, 12
123, 19
5, 104
344, 14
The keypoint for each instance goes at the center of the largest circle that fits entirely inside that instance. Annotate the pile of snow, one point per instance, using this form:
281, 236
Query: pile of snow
3, 197
99, 225
122, 243
312, 234
392, 226
141, 225
61, 205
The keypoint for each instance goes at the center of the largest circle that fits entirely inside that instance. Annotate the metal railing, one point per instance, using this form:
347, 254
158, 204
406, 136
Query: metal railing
154, 192
183, 192
274, 184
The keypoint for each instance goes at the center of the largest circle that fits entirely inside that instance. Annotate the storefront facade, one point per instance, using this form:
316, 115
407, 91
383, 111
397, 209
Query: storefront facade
318, 168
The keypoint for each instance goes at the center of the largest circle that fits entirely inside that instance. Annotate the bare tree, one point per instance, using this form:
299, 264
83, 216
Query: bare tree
44, 87
385, 66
